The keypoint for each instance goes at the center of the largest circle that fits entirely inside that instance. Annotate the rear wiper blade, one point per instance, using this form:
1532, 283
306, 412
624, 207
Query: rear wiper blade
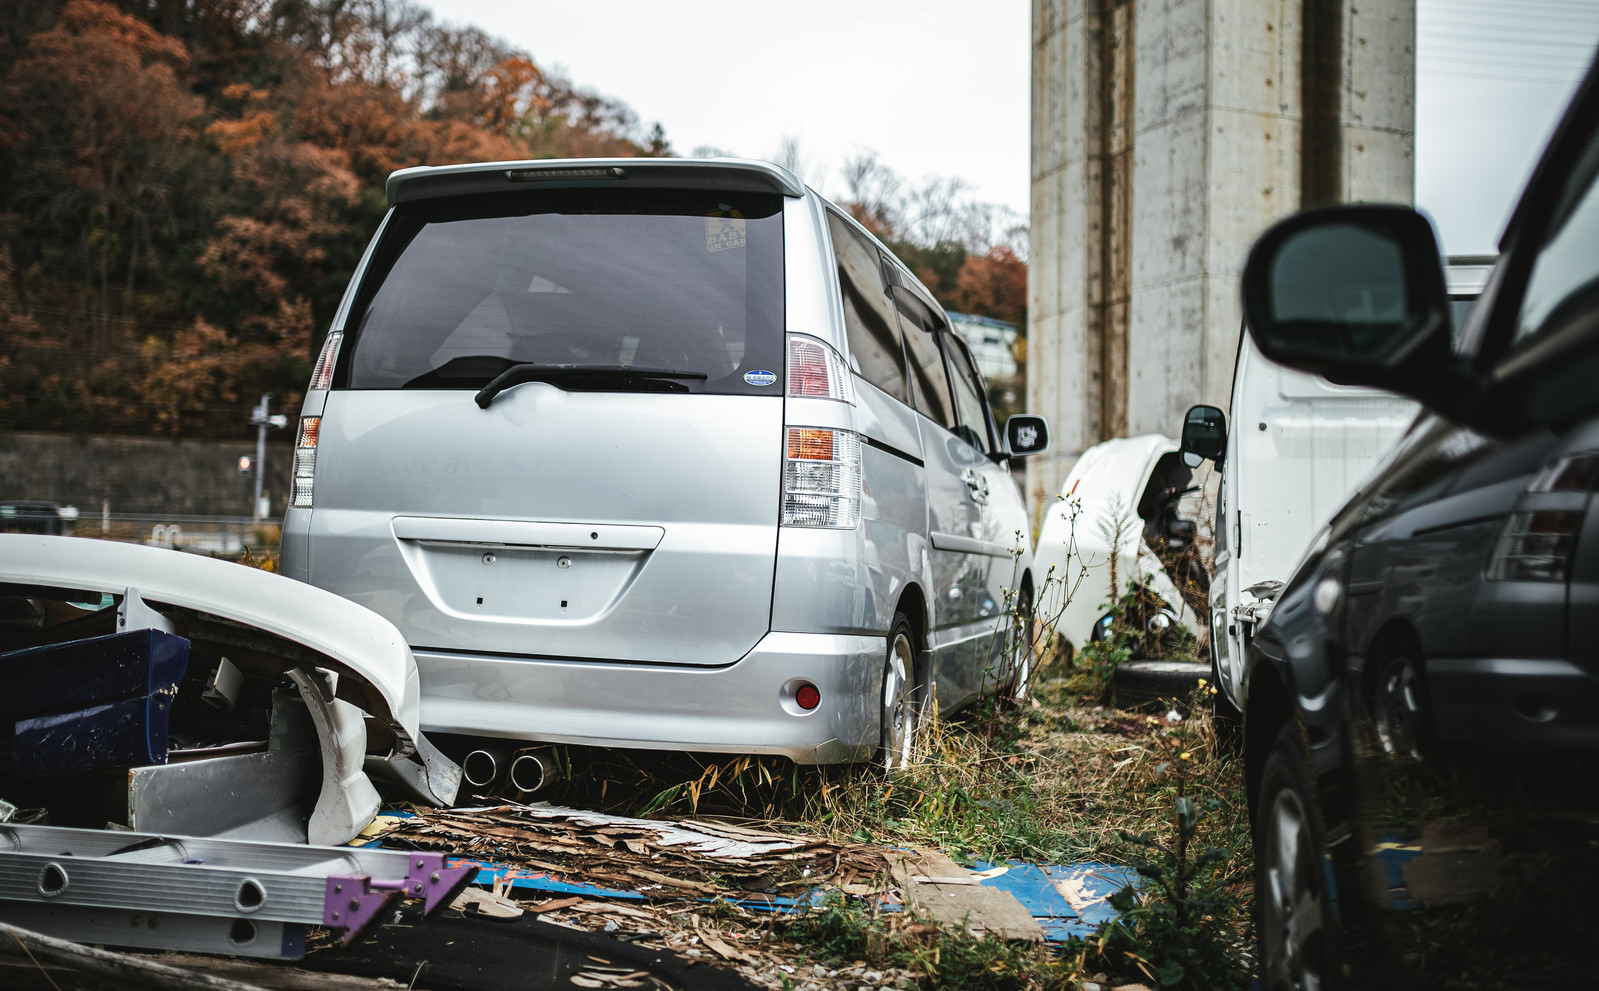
529, 371
460, 371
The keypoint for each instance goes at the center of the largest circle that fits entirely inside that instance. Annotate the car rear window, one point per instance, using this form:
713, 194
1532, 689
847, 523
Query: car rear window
461, 289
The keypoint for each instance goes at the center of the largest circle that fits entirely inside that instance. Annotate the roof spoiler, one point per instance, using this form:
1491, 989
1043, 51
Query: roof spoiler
731, 174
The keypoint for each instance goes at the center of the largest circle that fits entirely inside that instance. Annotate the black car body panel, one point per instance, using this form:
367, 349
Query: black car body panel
1435, 662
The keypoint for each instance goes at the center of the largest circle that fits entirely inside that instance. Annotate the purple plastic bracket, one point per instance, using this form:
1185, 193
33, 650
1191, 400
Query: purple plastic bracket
352, 904
428, 878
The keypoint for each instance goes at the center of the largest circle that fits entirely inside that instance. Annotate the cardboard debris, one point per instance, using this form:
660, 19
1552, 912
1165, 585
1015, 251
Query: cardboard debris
566, 851
721, 948
947, 893
627, 874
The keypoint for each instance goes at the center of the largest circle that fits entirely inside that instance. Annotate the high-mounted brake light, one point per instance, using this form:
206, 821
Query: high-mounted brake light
322, 374
305, 460
822, 478
816, 370
555, 175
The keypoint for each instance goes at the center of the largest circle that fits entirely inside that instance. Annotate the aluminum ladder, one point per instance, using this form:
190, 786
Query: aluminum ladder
206, 894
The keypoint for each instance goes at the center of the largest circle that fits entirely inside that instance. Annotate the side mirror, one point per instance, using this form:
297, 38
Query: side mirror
1355, 294
1204, 435
1026, 435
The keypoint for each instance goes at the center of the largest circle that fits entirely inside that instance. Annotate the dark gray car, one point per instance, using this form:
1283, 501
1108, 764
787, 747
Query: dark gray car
1422, 716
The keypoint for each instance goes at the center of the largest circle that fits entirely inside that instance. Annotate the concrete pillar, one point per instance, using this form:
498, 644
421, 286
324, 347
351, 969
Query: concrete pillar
1166, 135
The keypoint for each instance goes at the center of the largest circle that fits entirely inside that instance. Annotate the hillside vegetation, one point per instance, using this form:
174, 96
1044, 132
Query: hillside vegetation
185, 185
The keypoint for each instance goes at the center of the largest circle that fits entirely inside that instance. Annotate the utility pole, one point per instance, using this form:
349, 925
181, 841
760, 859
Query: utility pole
262, 421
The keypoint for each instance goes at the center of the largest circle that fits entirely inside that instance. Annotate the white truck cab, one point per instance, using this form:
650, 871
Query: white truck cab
1299, 447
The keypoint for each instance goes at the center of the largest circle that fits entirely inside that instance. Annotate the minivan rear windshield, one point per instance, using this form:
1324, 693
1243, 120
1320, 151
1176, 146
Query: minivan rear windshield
583, 281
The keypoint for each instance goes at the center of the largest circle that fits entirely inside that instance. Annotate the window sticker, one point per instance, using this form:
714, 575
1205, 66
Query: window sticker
724, 229
760, 377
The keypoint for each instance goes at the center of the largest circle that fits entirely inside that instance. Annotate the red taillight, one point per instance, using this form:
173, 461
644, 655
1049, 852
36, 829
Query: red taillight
1536, 546
807, 369
322, 374
304, 470
808, 697
815, 370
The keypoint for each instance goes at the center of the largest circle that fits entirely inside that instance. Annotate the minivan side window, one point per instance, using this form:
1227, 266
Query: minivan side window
869, 321
922, 326
970, 410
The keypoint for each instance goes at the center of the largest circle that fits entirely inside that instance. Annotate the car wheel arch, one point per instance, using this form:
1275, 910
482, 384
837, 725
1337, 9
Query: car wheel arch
1267, 708
912, 605
1396, 638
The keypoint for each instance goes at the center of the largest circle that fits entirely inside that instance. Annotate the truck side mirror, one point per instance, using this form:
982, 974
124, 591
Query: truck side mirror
1026, 435
1204, 435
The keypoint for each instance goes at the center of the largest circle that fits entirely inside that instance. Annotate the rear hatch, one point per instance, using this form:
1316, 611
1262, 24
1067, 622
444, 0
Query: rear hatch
555, 426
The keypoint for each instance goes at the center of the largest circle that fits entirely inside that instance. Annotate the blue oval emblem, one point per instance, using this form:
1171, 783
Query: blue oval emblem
760, 377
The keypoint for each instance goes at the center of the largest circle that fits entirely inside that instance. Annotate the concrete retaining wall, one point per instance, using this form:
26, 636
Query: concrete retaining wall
139, 474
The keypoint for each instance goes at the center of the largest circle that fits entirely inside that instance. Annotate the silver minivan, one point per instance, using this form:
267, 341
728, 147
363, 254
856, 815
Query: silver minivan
661, 453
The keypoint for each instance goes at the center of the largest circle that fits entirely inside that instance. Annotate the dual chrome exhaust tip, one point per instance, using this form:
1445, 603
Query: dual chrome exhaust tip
526, 771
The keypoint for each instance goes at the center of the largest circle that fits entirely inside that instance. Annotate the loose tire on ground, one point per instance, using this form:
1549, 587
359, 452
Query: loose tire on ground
1149, 684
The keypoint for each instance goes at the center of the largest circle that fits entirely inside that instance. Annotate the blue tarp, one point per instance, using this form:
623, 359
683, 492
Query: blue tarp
1044, 891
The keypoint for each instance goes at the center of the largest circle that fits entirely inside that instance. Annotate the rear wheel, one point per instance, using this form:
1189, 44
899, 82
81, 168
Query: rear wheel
902, 700
1293, 923
1398, 711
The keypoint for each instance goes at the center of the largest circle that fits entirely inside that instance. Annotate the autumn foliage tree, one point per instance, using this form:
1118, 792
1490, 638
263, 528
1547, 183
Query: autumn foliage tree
186, 184
944, 235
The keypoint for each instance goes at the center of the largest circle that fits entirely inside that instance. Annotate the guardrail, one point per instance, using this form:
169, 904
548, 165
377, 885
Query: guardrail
221, 536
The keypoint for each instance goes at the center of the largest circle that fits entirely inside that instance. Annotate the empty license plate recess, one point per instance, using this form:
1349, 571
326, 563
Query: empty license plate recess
518, 570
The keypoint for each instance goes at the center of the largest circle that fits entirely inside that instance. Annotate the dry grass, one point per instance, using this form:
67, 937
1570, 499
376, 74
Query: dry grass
1057, 779
1054, 780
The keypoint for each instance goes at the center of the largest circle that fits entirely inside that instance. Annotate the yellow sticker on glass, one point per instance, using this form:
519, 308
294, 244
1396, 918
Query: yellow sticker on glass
724, 229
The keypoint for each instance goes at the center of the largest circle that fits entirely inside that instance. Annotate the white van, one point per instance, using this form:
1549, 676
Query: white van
1299, 447
660, 453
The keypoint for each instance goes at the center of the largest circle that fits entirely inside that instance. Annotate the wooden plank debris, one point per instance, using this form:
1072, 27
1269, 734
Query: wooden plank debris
950, 895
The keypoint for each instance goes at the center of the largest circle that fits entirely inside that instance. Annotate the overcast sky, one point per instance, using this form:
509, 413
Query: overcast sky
941, 87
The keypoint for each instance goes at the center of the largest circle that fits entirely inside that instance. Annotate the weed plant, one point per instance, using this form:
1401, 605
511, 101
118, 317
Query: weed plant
1178, 930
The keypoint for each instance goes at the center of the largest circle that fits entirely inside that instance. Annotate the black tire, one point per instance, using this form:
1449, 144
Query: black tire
1294, 925
1151, 684
903, 702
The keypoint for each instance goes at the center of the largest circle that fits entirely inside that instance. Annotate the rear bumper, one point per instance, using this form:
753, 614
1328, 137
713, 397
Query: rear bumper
743, 708
1510, 704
